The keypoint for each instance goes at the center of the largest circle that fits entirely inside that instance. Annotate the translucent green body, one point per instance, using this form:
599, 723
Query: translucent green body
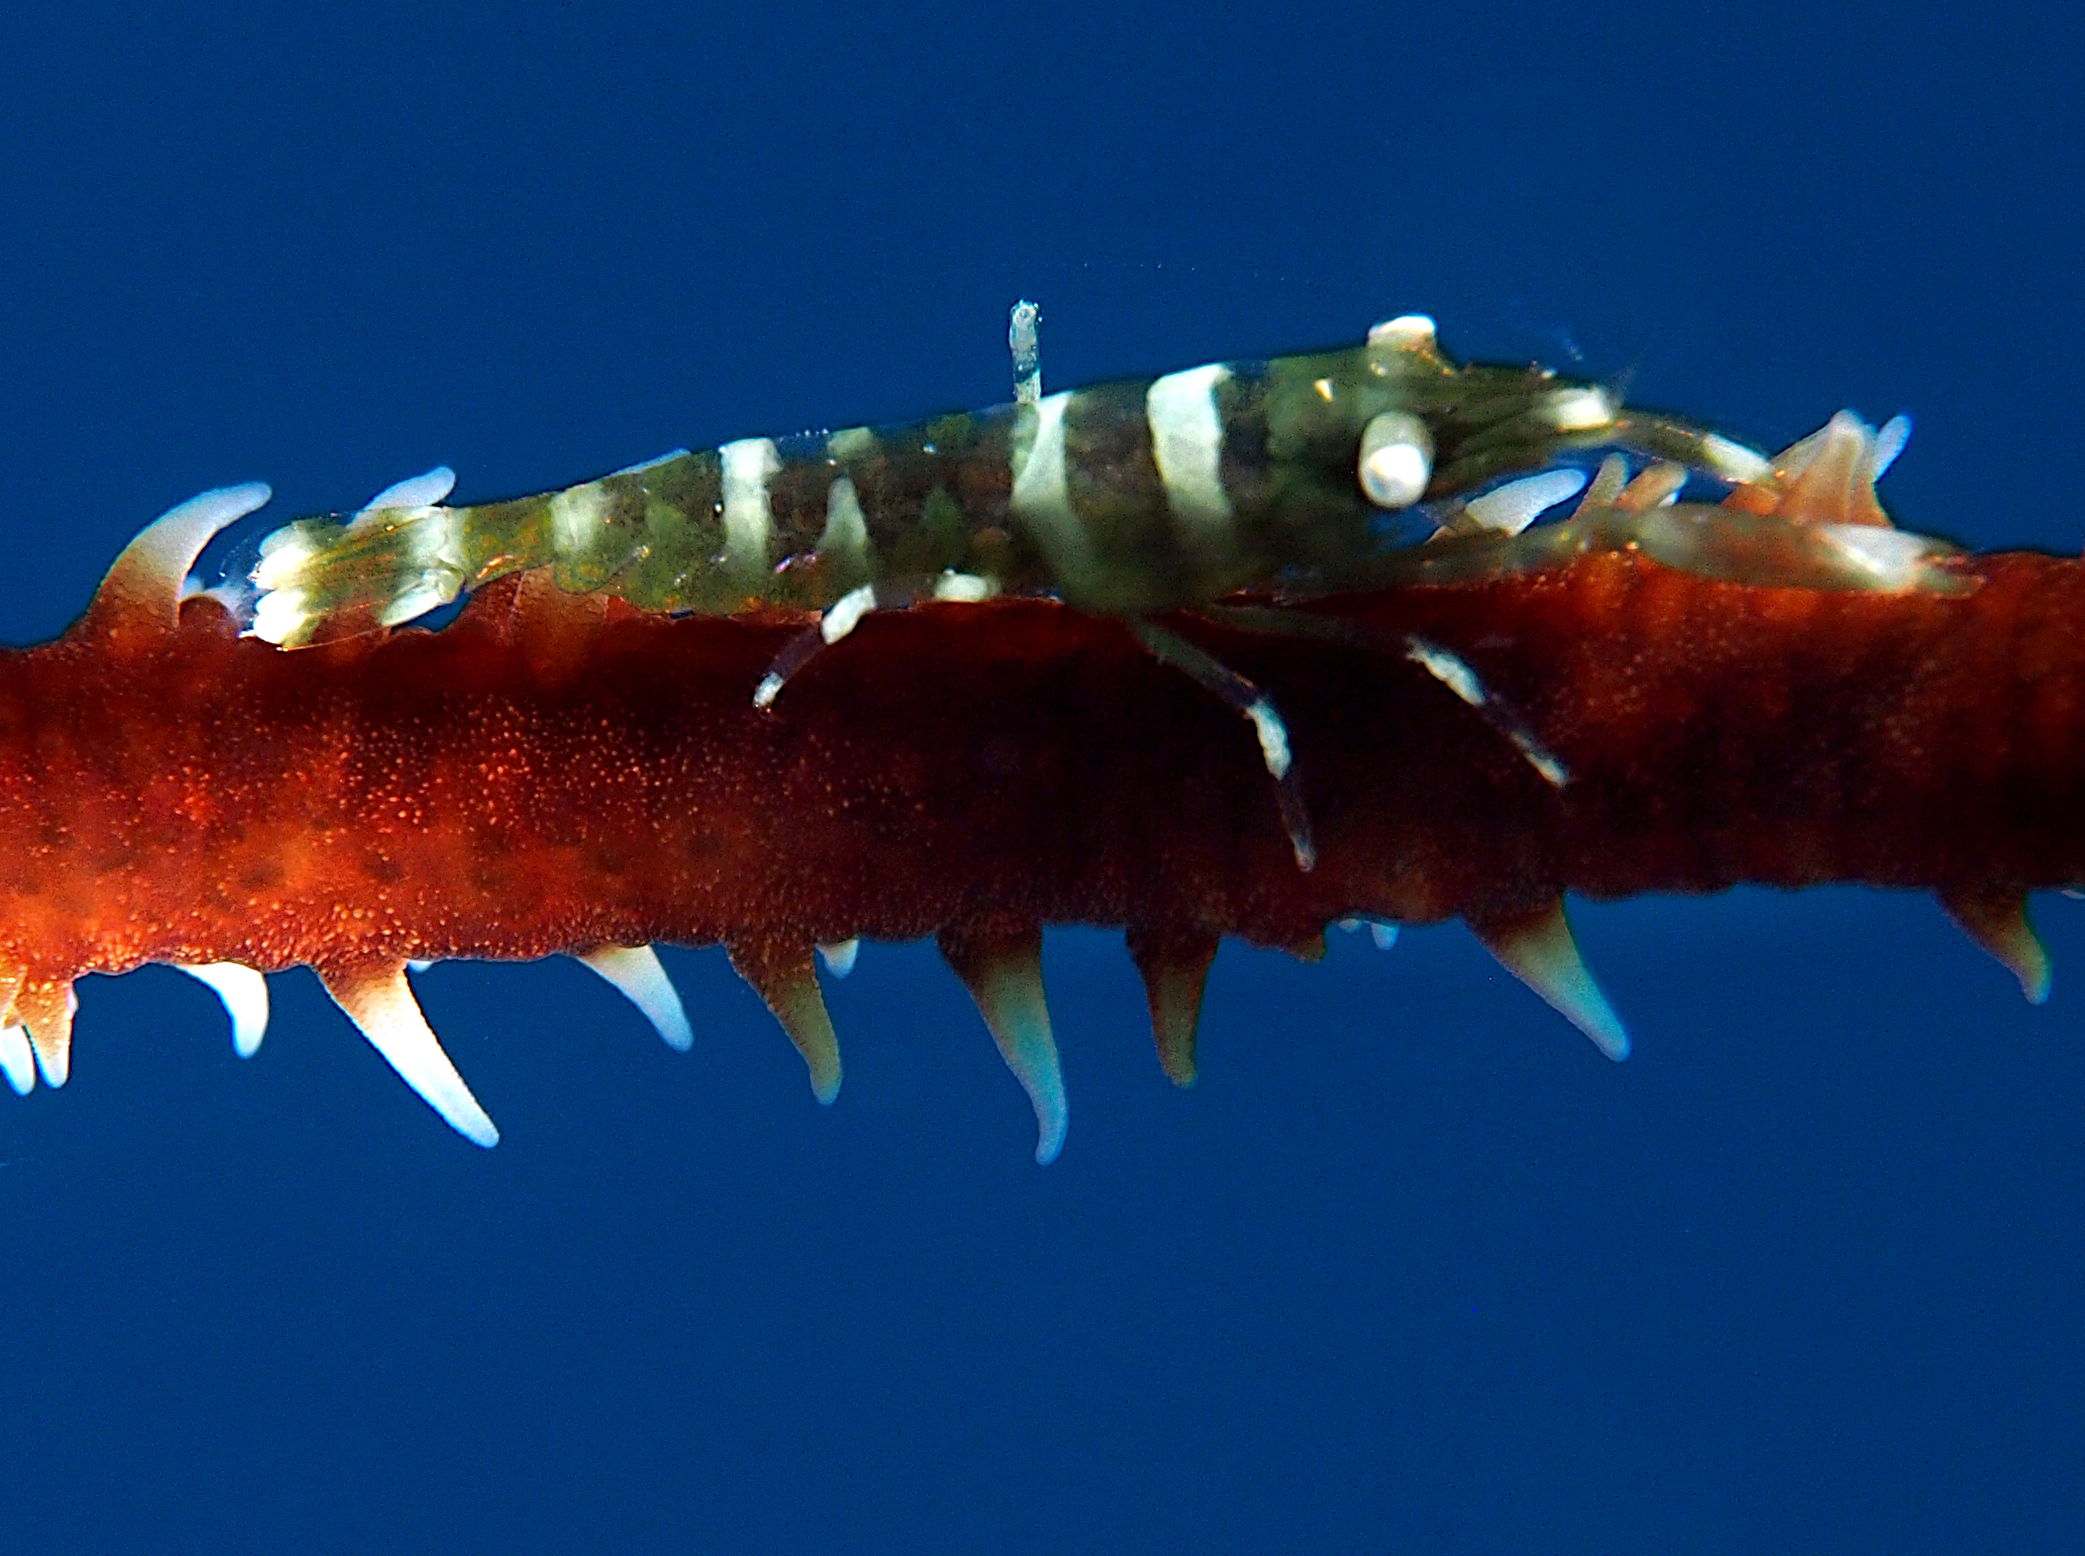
1124, 498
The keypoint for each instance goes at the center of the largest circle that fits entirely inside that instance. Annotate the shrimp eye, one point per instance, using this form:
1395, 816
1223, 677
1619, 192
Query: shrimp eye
1396, 459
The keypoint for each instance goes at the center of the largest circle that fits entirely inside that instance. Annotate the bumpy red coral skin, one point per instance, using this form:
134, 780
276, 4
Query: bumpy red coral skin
549, 774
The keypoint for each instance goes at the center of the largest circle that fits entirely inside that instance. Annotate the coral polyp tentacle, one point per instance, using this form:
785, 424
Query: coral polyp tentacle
381, 1004
45, 1007
1536, 946
1997, 921
143, 587
17, 1060
1000, 963
780, 971
245, 995
1174, 961
636, 973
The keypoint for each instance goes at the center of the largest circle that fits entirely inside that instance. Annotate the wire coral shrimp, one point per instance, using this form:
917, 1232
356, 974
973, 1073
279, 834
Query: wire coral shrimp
1128, 499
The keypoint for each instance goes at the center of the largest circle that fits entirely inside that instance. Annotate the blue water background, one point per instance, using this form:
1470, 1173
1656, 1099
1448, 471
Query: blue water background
1412, 1267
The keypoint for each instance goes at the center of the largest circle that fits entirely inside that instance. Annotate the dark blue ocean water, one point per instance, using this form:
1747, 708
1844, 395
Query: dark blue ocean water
1412, 1267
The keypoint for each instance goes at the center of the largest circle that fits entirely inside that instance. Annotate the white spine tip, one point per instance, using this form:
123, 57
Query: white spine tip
420, 491
1890, 439
1537, 948
767, 691
17, 1062
636, 973
245, 995
54, 1064
153, 567
383, 1007
204, 514
840, 956
1007, 985
1051, 1143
